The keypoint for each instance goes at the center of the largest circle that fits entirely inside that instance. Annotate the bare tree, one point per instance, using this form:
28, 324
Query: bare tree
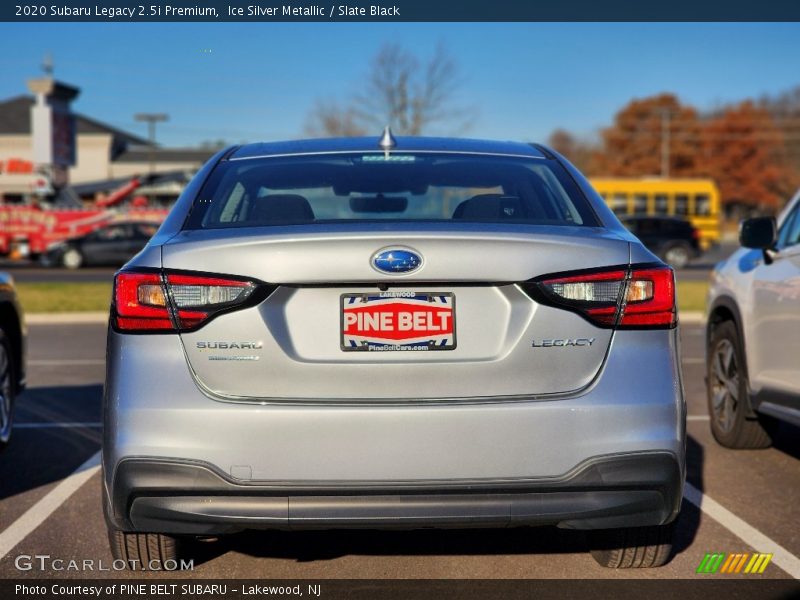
333, 120
400, 92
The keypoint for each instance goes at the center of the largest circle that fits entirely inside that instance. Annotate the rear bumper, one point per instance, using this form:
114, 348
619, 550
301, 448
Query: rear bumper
177, 497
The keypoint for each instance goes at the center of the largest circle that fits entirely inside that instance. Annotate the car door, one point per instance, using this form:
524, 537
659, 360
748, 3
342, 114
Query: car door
109, 245
773, 357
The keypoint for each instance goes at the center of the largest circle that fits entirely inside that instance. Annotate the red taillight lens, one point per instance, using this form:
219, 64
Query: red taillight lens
140, 302
650, 299
645, 295
175, 302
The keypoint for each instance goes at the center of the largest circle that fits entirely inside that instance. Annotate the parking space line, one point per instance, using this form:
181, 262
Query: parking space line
693, 361
67, 362
39, 512
743, 530
57, 425
697, 417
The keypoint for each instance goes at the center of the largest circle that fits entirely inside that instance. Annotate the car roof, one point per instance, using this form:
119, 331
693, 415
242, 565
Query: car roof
372, 144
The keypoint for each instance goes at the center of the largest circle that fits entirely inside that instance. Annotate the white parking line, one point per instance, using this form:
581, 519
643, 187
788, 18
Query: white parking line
67, 362
693, 361
36, 514
50, 425
697, 417
744, 531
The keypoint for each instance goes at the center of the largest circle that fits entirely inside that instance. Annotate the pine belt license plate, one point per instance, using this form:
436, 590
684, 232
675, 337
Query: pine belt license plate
398, 321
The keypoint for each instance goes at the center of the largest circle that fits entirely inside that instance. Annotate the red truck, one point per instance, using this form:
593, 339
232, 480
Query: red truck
28, 230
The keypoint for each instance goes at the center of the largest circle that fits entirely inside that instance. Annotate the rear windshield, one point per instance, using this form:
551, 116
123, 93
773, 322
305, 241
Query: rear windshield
304, 190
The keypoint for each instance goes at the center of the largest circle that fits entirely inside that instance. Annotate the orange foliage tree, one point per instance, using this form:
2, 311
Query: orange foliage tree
632, 146
739, 147
745, 153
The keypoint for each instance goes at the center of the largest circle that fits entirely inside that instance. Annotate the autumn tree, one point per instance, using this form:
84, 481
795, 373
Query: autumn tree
400, 90
578, 152
744, 152
646, 133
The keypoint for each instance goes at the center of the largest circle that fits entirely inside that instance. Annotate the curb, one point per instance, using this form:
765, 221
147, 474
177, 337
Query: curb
692, 317
65, 318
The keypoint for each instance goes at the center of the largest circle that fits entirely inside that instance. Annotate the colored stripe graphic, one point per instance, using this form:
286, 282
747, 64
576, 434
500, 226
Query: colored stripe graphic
720, 562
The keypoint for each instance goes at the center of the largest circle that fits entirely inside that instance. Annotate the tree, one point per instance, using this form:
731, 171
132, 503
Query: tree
399, 91
744, 152
784, 108
644, 132
332, 120
576, 151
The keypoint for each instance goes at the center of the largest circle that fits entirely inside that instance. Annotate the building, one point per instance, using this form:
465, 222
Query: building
105, 156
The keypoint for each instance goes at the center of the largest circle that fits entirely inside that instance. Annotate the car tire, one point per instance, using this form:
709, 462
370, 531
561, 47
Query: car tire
72, 258
7, 389
677, 256
632, 547
727, 389
144, 551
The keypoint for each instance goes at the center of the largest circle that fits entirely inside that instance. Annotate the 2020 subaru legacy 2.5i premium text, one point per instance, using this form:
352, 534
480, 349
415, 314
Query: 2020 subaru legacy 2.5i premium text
381, 332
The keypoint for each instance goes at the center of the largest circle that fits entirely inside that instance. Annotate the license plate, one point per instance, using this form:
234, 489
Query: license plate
398, 321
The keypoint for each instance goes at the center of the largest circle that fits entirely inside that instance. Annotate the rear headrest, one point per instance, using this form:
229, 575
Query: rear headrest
281, 208
490, 206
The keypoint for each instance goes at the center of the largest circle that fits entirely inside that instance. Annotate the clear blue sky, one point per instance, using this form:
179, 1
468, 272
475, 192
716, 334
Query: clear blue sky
260, 80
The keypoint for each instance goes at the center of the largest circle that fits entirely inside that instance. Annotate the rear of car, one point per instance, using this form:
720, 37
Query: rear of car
423, 333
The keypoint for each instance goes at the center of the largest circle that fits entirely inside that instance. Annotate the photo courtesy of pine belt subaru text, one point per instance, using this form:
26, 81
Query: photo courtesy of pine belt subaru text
393, 332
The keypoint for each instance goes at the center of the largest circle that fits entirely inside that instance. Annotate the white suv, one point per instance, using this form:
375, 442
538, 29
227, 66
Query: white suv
753, 334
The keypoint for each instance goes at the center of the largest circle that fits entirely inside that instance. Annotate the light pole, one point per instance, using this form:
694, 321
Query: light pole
151, 119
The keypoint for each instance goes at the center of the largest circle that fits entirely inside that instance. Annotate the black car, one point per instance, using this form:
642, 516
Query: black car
675, 241
12, 354
110, 245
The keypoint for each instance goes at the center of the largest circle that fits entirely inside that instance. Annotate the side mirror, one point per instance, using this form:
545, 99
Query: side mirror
760, 233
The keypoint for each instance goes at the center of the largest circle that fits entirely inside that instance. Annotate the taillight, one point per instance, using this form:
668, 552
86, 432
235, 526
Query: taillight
635, 298
175, 301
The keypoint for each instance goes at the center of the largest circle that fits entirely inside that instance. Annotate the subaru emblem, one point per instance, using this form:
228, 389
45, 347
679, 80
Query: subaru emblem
396, 260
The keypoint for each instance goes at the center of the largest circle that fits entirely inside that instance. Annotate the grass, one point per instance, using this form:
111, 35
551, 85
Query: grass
41, 297
692, 295
76, 297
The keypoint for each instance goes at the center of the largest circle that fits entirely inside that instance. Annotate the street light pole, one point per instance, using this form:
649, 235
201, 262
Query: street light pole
151, 119
665, 142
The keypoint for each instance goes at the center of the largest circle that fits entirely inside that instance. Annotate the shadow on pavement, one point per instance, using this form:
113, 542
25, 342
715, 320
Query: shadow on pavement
38, 456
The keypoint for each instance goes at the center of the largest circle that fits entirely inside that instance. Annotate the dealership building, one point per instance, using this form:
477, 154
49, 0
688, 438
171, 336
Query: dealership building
103, 157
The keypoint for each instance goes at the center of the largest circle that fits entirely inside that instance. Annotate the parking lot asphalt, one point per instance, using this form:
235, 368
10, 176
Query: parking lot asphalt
737, 501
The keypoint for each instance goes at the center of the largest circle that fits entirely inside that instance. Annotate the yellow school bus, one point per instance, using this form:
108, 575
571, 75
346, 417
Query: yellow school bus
696, 200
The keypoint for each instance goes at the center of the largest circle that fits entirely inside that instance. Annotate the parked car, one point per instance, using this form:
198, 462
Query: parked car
676, 241
409, 332
112, 244
753, 333
12, 355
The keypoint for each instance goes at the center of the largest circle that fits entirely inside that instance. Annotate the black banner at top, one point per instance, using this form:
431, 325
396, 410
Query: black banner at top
399, 10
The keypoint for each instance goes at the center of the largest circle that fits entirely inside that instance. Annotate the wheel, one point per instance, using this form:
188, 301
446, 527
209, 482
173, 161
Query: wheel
145, 551
632, 547
727, 390
677, 256
6, 389
72, 258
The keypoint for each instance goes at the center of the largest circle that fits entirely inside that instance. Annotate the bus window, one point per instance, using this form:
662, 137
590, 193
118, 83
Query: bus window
662, 204
681, 204
619, 204
640, 204
702, 205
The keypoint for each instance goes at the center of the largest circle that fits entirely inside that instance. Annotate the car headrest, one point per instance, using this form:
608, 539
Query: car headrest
491, 206
281, 208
